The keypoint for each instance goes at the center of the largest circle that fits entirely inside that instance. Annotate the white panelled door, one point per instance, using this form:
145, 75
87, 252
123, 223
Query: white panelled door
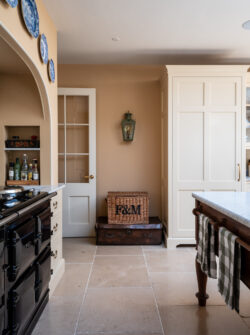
206, 143
77, 159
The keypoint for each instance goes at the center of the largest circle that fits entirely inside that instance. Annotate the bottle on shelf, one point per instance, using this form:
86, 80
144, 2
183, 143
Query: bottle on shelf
24, 171
35, 173
30, 172
17, 169
11, 173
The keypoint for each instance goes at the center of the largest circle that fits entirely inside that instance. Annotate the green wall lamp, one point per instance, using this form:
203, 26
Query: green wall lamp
128, 127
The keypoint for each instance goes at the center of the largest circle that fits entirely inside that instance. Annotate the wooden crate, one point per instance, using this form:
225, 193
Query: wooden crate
128, 207
136, 234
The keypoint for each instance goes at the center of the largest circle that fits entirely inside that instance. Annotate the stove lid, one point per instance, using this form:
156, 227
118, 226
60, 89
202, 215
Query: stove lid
11, 189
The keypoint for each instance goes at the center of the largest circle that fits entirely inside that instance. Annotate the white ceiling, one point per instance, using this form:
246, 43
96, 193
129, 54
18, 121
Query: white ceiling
151, 31
10, 62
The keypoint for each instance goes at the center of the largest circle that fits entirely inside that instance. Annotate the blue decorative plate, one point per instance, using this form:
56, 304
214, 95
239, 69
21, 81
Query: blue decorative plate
12, 3
31, 17
51, 69
44, 49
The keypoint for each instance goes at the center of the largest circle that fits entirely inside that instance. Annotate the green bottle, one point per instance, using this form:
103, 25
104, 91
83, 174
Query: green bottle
17, 170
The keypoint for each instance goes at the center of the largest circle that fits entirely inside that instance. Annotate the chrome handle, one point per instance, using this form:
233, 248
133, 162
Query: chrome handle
55, 227
54, 254
55, 204
89, 177
238, 172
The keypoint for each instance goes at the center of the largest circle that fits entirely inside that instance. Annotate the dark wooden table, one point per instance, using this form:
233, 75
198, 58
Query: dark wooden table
243, 232
132, 234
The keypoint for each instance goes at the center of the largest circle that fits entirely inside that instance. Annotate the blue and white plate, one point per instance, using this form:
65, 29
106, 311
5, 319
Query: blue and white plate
31, 17
12, 3
51, 70
44, 49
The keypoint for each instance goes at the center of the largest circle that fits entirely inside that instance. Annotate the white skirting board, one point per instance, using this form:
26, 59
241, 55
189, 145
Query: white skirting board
57, 276
173, 242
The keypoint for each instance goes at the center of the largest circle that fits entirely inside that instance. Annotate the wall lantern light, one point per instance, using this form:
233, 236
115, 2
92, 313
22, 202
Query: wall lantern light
128, 127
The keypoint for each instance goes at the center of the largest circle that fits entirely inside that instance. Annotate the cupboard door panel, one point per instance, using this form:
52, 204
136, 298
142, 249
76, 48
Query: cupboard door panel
190, 92
191, 146
223, 92
222, 146
184, 217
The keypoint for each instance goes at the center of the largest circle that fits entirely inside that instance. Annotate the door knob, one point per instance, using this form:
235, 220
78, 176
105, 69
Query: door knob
89, 177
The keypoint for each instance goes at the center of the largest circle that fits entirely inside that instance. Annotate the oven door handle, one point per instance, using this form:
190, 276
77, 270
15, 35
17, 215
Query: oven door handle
38, 229
35, 204
38, 235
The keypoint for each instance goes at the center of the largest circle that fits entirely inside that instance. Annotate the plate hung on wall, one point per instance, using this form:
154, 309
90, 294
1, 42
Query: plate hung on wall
12, 3
31, 17
51, 70
43, 47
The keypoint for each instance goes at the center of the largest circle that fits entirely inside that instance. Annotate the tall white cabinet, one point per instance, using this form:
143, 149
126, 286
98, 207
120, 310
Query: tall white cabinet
205, 108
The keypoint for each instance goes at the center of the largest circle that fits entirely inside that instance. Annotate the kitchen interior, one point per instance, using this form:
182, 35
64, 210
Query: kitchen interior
124, 205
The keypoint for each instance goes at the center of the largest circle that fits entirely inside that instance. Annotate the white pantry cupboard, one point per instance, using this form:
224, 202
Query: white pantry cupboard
205, 122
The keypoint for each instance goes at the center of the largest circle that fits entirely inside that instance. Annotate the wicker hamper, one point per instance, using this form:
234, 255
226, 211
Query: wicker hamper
128, 207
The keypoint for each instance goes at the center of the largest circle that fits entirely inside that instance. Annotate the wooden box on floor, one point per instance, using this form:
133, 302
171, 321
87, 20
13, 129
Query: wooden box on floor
133, 234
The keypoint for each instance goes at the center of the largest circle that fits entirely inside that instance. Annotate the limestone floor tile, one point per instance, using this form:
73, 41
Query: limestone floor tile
112, 250
79, 250
247, 321
74, 280
119, 310
244, 301
179, 288
170, 261
193, 320
119, 271
159, 247
59, 317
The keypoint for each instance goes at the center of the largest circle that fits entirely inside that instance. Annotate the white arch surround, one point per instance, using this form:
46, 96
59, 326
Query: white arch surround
6, 35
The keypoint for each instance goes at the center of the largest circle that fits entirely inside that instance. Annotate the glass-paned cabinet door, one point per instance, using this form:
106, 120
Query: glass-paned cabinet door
73, 138
248, 116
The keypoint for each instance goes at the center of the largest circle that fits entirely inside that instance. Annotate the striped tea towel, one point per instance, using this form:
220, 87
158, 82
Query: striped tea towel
205, 251
229, 268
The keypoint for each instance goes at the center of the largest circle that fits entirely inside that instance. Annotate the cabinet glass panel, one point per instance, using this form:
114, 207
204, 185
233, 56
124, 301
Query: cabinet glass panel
77, 169
77, 109
248, 125
61, 109
61, 141
61, 169
248, 95
77, 139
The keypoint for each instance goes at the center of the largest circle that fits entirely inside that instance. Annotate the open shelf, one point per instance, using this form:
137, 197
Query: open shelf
22, 149
22, 133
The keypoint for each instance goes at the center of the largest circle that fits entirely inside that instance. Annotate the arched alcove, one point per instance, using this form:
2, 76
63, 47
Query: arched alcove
23, 101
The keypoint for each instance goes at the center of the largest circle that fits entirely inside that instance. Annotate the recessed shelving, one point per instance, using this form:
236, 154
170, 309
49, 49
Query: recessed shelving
28, 137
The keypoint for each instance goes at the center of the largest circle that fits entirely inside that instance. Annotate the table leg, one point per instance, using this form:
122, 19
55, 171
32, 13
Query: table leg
202, 284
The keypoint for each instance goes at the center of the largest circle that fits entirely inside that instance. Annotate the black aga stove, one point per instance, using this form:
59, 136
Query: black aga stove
25, 232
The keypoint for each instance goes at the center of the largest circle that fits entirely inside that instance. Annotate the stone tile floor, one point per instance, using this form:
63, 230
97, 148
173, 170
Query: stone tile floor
135, 290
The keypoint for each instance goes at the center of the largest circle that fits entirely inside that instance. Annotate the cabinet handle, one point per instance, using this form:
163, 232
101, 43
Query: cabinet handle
54, 254
238, 172
55, 204
55, 227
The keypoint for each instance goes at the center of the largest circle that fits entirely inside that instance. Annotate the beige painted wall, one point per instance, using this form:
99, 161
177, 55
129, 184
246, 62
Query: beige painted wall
123, 166
20, 104
13, 30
